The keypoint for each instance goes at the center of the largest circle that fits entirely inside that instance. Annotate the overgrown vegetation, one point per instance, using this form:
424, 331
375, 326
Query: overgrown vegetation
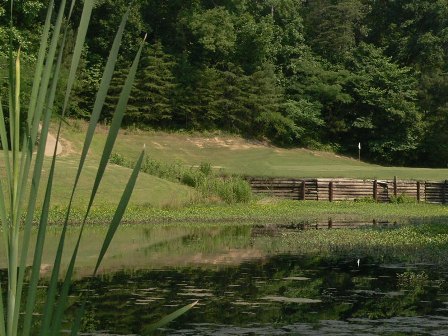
231, 189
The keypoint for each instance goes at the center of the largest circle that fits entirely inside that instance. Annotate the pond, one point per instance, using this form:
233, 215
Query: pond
267, 280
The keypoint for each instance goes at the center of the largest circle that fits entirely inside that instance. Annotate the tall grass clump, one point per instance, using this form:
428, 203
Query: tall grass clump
23, 159
233, 189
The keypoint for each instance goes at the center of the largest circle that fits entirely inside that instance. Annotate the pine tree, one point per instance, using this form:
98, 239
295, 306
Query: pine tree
152, 98
113, 95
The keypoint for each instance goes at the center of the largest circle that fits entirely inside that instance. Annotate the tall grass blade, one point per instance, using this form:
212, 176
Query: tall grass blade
2, 313
29, 145
167, 319
40, 63
11, 67
35, 270
112, 135
77, 323
38, 252
15, 220
45, 329
80, 38
4, 221
101, 94
47, 73
52, 288
5, 145
120, 211
115, 125
57, 319
99, 103
3, 210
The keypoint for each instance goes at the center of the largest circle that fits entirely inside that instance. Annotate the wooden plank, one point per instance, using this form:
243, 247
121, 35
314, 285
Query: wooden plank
395, 186
303, 190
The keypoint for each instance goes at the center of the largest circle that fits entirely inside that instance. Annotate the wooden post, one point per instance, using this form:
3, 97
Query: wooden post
330, 223
444, 192
303, 190
330, 191
418, 192
395, 186
375, 190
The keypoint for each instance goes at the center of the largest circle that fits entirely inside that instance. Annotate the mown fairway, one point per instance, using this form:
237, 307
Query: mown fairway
236, 155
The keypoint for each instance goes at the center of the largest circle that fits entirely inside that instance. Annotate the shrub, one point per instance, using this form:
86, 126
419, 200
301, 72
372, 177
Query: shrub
119, 160
205, 168
402, 199
365, 200
229, 189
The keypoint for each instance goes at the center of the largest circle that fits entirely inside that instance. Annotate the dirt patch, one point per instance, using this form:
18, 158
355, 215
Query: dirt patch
157, 145
67, 147
232, 144
231, 257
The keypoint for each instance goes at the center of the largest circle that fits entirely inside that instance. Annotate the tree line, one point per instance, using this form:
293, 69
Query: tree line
323, 74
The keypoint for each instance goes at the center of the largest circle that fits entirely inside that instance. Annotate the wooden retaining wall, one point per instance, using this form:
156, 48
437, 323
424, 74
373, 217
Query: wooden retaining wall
326, 189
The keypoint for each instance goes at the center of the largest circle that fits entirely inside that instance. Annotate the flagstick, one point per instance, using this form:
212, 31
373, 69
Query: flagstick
359, 151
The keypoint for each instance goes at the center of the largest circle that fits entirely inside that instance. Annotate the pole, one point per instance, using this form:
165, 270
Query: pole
359, 151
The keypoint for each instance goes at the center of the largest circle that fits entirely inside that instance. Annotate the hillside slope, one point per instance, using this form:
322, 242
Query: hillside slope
149, 190
236, 155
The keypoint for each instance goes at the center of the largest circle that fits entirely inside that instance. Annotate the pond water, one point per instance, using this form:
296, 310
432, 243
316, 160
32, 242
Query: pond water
257, 281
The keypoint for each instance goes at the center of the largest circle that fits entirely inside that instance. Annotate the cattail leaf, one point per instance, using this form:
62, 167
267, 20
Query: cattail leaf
40, 63
77, 323
99, 101
115, 126
120, 210
79, 44
112, 135
5, 146
63, 299
167, 319
2, 313
35, 270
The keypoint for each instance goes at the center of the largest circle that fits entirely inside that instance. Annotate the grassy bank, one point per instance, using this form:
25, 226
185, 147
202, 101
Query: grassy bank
236, 155
268, 212
226, 154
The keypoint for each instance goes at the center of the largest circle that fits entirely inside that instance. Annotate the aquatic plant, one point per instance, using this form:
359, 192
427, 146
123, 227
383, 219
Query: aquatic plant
23, 173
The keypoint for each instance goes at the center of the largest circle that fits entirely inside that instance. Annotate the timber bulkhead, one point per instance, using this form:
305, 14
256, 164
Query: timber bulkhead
342, 189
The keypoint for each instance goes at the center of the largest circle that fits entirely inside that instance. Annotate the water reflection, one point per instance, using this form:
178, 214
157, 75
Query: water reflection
250, 283
280, 295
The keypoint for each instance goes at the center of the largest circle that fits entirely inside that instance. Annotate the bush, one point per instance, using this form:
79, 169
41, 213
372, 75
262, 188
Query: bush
205, 168
365, 200
119, 160
402, 199
229, 189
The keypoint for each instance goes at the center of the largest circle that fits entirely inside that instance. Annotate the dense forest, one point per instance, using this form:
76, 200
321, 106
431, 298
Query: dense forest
322, 74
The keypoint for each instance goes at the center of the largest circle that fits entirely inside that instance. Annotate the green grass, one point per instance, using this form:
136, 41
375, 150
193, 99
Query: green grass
149, 190
235, 155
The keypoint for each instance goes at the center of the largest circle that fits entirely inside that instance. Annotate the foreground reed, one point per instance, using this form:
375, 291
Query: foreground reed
23, 159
